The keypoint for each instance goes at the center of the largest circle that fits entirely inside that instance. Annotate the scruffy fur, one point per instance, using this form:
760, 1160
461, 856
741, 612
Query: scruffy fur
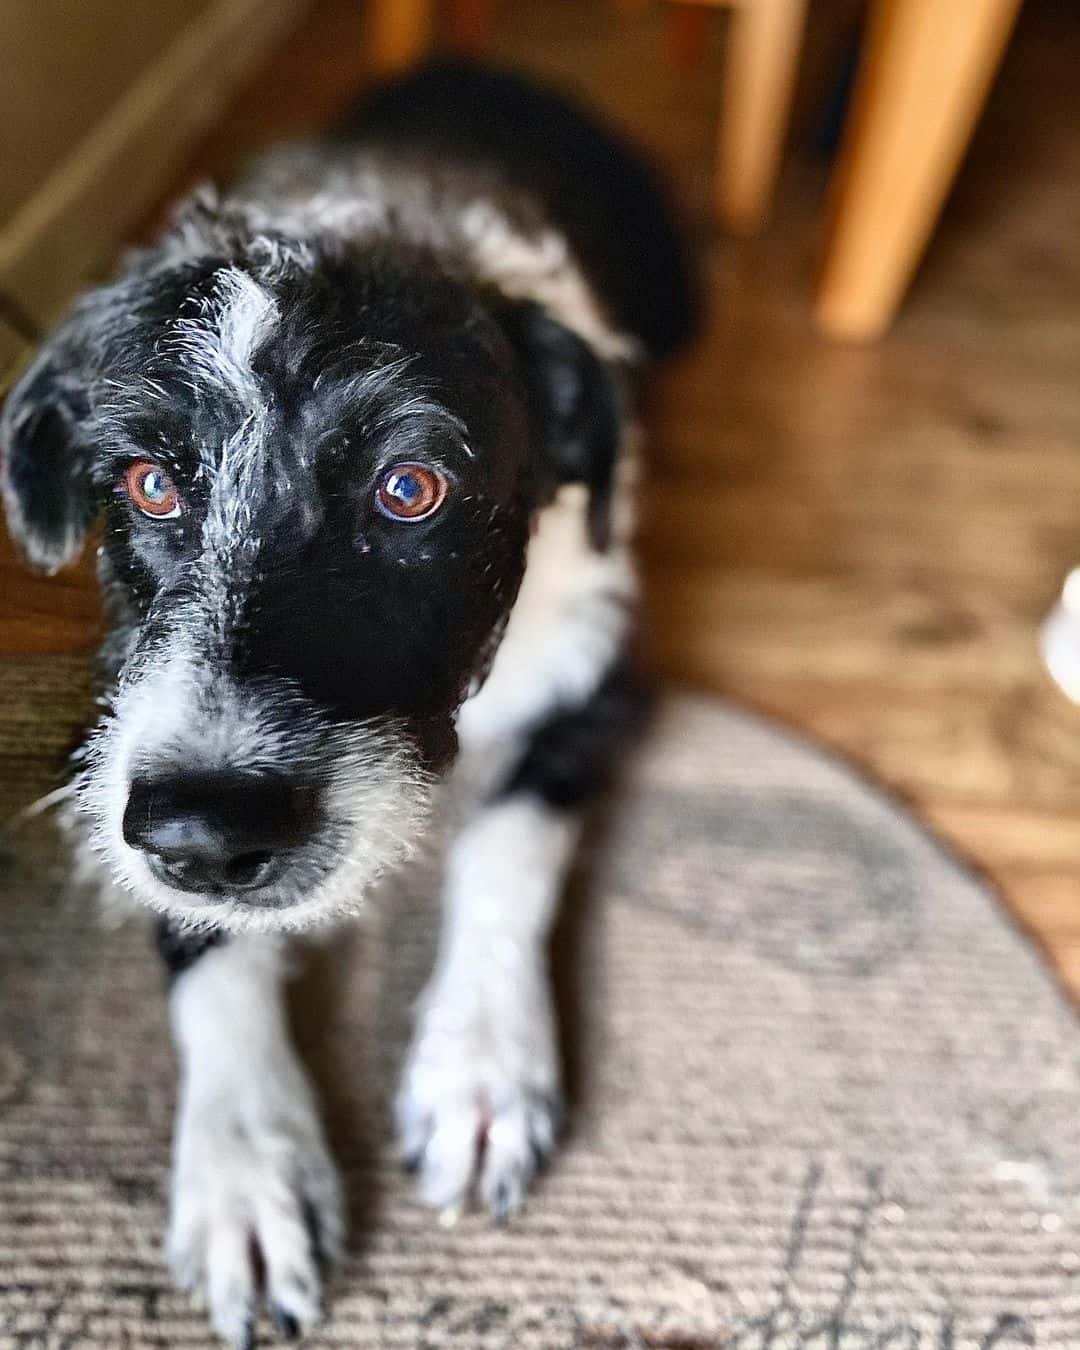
470, 276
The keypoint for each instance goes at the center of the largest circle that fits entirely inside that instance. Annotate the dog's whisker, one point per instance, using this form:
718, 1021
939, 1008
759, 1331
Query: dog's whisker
37, 808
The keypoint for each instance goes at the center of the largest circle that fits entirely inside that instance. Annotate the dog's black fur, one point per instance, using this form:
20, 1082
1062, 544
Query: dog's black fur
179, 949
570, 756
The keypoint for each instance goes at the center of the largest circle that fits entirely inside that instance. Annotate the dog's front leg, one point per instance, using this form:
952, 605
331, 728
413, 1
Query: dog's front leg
254, 1192
484, 1063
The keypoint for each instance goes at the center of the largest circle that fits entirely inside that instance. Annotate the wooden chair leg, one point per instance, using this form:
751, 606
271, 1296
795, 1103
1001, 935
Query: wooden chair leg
925, 74
400, 33
762, 53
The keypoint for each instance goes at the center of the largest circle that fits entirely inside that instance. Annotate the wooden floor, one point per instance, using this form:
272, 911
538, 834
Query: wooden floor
859, 541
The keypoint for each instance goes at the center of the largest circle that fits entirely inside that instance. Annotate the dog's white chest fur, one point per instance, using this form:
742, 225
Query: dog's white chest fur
567, 625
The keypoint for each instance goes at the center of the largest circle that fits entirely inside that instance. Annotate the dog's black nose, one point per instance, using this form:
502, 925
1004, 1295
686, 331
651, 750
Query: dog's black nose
216, 835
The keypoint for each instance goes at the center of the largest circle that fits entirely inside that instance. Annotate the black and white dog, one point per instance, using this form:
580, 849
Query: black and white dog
361, 431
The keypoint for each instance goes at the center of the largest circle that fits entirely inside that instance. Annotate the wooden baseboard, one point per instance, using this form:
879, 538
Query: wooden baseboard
72, 226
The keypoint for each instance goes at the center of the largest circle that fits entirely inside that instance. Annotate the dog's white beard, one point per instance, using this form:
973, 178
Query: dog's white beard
177, 715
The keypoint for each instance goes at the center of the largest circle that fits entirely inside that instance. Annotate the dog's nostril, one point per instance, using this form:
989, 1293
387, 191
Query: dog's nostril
208, 874
212, 874
248, 869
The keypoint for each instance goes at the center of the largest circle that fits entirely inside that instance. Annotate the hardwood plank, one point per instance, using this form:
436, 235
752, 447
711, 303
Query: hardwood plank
905, 632
42, 615
1013, 839
1048, 902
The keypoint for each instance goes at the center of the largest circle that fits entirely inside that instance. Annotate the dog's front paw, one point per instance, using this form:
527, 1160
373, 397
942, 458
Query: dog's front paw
256, 1212
479, 1106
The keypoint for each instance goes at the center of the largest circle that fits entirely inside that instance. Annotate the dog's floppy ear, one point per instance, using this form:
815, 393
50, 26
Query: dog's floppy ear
574, 402
44, 474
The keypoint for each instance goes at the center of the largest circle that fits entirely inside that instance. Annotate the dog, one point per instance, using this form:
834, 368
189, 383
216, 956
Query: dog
362, 432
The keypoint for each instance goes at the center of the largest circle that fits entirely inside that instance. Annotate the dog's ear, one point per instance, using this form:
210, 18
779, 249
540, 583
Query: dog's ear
574, 402
44, 473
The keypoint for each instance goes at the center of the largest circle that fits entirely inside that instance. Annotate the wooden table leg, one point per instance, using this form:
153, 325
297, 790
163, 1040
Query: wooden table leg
400, 33
761, 59
925, 74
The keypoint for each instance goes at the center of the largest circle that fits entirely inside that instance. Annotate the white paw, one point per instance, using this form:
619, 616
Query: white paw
256, 1214
479, 1105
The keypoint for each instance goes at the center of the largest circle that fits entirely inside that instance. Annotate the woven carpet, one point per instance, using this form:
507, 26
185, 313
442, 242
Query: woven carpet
823, 1093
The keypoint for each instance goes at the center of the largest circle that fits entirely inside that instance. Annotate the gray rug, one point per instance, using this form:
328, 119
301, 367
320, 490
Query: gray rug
824, 1094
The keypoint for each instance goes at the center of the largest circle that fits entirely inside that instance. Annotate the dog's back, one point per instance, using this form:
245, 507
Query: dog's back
605, 199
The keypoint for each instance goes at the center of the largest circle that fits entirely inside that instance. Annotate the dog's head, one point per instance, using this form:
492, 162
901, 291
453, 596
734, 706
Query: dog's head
317, 472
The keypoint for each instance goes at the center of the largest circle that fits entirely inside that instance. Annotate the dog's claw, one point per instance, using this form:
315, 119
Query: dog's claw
500, 1204
412, 1162
541, 1156
286, 1324
478, 1109
323, 1257
517, 1143
257, 1222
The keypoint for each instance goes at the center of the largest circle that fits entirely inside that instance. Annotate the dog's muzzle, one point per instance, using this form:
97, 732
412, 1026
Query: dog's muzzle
218, 835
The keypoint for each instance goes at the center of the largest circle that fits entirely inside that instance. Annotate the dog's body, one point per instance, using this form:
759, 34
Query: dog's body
363, 433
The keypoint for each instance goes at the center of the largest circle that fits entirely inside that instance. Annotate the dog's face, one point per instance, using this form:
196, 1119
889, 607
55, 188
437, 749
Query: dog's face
317, 484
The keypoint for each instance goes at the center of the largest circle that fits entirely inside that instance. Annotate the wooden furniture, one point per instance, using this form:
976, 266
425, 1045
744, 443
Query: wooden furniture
924, 77
400, 32
403, 31
760, 63
924, 74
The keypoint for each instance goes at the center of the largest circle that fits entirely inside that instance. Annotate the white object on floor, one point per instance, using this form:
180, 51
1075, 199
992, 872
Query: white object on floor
1059, 638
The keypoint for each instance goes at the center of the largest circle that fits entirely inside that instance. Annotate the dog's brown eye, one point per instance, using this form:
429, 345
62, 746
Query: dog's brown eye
410, 492
152, 490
